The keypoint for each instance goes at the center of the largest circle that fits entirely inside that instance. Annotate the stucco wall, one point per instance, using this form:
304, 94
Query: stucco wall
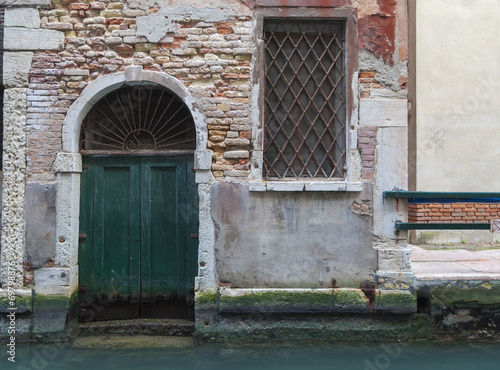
292, 239
457, 57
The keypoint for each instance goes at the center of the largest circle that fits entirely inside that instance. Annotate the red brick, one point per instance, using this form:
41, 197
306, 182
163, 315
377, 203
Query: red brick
367, 74
246, 134
79, 6
225, 30
225, 24
365, 80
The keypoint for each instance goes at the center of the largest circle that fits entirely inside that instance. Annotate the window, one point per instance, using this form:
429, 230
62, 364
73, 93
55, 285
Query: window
304, 99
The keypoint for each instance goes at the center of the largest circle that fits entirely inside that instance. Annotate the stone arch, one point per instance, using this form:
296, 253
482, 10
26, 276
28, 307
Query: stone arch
68, 167
132, 76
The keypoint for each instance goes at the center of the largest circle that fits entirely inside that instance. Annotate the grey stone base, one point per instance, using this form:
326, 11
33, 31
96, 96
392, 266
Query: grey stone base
182, 328
262, 327
304, 314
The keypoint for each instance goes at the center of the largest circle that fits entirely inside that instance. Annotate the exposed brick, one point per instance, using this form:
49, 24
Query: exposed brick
79, 6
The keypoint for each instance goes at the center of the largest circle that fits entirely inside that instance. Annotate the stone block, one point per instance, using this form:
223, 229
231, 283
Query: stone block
383, 112
33, 39
17, 67
134, 39
233, 154
40, 223
14, 184
111, 13
257, 186
22, 301
68, 162
396, 301
76, 72
285, 186
113, 40
22, 17
237, 142
27, 3
60, 26
325, 186
51, 277
396, 260
237, 173
202, 160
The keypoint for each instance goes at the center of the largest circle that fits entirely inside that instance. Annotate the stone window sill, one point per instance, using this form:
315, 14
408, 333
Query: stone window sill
306, 186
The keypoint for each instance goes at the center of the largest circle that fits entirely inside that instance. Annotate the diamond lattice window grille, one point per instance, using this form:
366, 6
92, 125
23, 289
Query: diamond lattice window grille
138, 119
304, 104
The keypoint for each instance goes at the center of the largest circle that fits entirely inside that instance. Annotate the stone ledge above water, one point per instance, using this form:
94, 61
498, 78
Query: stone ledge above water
231, 300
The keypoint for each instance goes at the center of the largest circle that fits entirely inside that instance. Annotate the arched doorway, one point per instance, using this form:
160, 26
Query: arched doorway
138, 206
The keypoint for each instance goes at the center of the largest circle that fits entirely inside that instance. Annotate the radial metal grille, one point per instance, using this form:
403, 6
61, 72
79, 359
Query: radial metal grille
305, 109
134, 119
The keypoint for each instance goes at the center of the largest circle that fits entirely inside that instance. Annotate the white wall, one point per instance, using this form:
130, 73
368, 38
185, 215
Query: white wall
457, 88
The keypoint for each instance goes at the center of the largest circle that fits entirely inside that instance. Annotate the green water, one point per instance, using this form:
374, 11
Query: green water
100, 354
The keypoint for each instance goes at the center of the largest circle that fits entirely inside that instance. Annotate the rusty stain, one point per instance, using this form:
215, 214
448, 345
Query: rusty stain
48, 263
224, 283
334, 283
368, 290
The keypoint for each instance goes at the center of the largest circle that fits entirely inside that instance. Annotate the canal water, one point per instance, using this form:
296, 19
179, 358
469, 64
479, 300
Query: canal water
136, 352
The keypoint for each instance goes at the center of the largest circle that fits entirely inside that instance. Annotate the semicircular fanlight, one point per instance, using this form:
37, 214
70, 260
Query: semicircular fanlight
138, 118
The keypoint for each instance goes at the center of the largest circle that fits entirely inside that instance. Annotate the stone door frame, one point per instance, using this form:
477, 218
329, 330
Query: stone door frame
68, 167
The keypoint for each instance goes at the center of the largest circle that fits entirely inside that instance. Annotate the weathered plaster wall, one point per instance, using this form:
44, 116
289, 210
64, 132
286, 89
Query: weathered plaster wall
292, 239
457, 54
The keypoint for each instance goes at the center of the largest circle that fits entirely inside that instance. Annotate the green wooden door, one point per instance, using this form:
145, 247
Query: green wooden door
138, 247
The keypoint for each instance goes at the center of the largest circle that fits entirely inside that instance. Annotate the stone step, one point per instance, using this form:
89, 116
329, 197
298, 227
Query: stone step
132, 341
167, 327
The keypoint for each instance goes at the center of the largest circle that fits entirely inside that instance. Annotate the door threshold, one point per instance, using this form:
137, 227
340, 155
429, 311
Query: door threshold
167, 327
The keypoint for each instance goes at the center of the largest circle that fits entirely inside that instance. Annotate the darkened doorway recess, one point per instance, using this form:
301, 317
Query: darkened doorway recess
138, 207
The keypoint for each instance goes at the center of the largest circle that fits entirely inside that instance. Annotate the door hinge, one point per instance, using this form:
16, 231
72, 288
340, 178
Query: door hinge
82, 236
194, 236
85, 167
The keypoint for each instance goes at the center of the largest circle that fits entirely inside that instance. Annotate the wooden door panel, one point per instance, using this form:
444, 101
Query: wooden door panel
138, 214
116, 229
163, 232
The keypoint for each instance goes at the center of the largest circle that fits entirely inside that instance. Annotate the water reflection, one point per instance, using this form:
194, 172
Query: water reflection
135, 352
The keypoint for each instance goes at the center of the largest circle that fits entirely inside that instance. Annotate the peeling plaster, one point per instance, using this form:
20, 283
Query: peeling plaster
388, 75
367, 7
377, 34
155, 26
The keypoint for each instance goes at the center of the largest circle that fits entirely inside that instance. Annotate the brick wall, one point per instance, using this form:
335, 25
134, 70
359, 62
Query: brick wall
453, 212
367, 142
211, 59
